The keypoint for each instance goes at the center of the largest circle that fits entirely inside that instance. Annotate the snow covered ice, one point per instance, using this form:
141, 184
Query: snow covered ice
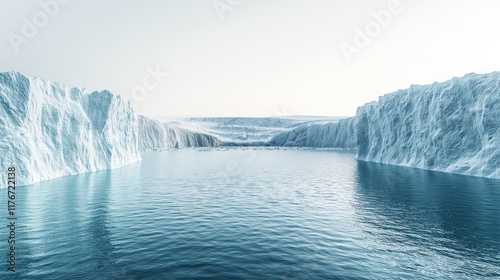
245, 131
227, 131
452, 126
339, 134
160, 135
48, 130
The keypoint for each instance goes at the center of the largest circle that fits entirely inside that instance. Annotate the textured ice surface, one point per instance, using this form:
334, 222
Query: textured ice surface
214, 132
339, 134
154, 134
245, 131
452, 126
48, 130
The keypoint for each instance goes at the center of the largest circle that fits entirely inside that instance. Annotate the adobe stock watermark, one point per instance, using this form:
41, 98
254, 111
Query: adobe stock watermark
150, 82
223, 6
32, 26
363, 37
232, 177
280, 112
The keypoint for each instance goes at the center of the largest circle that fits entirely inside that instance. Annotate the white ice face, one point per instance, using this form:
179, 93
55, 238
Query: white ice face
452, 126
48, 130
339, 134
154, 134
240, 131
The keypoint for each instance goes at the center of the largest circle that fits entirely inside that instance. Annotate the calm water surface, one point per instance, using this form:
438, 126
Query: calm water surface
257, 214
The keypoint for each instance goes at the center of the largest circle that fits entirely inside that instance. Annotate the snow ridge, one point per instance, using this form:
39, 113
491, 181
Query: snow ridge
339, 134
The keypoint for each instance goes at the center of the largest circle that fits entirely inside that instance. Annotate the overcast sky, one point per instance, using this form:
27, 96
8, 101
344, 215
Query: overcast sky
249, 57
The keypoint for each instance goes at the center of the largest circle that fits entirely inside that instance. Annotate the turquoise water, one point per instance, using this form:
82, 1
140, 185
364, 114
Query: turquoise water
257, 214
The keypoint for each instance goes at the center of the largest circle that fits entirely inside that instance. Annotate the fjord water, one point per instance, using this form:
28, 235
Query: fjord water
257, 214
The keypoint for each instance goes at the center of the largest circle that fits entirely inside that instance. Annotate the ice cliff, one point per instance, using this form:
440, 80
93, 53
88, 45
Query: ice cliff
452, 126
211, 132
48, 130
245, 131
339, 134
154, 134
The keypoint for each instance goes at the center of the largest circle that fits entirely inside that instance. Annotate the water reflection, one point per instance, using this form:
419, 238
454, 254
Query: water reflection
419, 208
68, 217
285, 214
98, 209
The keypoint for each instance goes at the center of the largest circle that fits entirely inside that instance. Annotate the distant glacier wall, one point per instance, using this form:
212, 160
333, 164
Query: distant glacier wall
339, 134
154, 134
48, 130
452, 126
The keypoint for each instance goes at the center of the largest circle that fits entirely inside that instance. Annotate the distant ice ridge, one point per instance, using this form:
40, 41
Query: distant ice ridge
223, 131
242, 131
154, 134
48, 130
209, 132
339, 134
452, 126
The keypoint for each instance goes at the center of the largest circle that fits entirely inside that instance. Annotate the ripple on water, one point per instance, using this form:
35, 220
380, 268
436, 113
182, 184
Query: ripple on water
295, 214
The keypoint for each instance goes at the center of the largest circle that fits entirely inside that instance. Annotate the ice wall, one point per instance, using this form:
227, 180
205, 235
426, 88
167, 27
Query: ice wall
339, 134
48, 130
154, 134
452, 126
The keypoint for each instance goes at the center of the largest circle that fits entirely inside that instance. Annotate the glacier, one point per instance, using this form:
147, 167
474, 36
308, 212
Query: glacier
340, 134
224, 131
245, 131
49, 130
453, 126
163, 135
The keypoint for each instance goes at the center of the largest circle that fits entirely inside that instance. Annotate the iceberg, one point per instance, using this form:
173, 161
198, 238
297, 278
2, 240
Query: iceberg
49, 130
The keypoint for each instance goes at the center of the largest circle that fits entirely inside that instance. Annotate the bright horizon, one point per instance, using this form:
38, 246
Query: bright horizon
249, 58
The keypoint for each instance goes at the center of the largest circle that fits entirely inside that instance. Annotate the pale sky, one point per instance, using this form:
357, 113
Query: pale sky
249, 57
